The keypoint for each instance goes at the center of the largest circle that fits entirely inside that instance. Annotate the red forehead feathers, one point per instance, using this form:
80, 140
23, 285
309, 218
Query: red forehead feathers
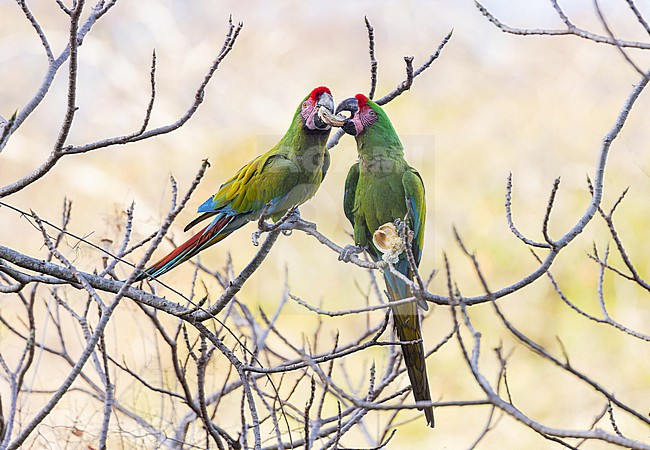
316, 93
362, 100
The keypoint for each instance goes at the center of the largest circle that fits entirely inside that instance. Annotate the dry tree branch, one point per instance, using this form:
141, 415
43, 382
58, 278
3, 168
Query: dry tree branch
109, 393
240, 368
392, 372
106, 311
78, 279
71, 108
213, 430
554, 434
581, 223
533, 346
373, 60
101, 8
39, 32
73, 67
62, 275
616, 41
592, 434
16, 377
411, 74
94, 390
80, 239
59, 151
606, 318
371, 402
350, 311
403, 86
76, 370
229, 42
353, 347
571, 29
7, 125
549, 209
236, 285
634, 274
511, 223
639, 16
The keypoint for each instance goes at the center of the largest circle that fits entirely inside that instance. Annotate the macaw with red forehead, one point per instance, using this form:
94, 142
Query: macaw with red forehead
286, 176
380, 188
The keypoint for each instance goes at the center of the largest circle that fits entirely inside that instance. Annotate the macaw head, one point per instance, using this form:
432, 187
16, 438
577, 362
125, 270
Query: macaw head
319, 98
363, 113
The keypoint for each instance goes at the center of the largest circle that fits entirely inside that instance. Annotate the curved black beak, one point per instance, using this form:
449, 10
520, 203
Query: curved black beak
349, 104
352, 105
325, 101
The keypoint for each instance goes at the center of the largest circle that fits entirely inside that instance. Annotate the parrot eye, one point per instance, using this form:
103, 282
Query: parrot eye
372, 113
305, 105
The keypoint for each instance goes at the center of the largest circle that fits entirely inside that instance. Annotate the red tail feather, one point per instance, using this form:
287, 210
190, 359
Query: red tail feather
194, 241
189, 248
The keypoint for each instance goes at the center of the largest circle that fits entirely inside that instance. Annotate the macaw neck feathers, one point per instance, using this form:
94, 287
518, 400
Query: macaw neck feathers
380, 138
299, 139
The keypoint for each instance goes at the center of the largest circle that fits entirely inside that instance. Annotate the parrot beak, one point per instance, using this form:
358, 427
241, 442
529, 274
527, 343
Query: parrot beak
352, 106
349, 104
326, 101
324, 105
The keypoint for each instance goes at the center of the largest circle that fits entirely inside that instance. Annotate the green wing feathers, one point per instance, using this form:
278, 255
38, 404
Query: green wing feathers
264, 179
350, 192
417, 209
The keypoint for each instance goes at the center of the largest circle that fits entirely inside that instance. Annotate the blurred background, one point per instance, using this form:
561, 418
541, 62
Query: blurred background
492, 104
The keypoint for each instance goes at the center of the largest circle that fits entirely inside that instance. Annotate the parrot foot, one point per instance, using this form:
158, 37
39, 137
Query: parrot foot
286, 224
263, 227
291, 217
292, 220
348, 251
255, 237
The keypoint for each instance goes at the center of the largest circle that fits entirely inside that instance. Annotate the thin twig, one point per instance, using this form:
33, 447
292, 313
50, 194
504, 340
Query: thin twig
570, 30
617, 43
373, 59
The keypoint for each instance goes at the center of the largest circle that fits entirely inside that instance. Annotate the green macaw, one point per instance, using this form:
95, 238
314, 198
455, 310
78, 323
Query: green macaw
284, 177
380, 188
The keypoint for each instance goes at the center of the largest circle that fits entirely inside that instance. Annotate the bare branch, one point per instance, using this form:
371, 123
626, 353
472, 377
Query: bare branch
616, 41
511, 223
405, 85
373, 60
639, 16
98, 11
231, 37
549, 208
570, 30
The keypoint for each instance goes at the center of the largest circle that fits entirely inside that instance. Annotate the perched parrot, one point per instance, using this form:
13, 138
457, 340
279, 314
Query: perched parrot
286, 176
380, 188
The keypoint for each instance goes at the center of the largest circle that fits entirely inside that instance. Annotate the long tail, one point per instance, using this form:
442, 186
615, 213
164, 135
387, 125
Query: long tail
210, 235
406, 319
